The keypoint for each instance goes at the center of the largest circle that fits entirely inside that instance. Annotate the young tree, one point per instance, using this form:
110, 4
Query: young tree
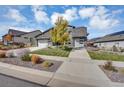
59, 34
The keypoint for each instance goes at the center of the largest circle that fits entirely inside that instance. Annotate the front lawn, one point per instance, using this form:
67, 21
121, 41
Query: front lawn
105, 56
53, 52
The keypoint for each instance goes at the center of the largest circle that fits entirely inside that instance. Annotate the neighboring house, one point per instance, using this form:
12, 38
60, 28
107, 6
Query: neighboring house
27, 38
78, 35
114, 39
1, 43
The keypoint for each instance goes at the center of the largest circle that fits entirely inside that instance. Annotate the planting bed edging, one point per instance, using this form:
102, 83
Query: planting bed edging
28, 64
32, 75
56, 58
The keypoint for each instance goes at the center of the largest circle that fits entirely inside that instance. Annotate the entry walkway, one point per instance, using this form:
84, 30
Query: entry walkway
79, 54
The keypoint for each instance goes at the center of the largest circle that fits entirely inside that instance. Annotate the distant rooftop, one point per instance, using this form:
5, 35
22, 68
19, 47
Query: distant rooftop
116, 33
117, 36
16, 32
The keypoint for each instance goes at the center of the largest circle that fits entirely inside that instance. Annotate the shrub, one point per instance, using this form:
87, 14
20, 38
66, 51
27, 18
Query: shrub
121, 49
65, 48
4, 47
2, 54
0, 46
26, 57
109, 66
35, 59
47, 64
50, 47
21, 45
115, 49
122, 70
14, 47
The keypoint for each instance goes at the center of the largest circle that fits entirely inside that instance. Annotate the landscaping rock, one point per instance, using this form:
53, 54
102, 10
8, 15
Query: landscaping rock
17, 52
9, 53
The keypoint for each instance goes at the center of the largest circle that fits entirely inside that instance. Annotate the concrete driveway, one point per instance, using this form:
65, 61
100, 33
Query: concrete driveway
7, 81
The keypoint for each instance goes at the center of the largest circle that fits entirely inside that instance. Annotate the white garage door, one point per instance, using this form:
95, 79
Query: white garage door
42, 43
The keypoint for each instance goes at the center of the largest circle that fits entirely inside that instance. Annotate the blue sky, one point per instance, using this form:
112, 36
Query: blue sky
99, 20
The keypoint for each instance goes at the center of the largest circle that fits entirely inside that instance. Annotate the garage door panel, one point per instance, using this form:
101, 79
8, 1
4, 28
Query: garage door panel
42, 43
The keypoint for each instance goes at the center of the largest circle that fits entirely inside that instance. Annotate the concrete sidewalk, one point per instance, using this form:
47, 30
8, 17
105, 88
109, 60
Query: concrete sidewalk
72, 74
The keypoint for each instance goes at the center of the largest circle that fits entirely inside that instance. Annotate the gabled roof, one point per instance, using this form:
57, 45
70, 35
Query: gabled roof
19, 33
117, 36
16, 32
116, 33
94, 39
31, 32
44, 32
111, 38
79, 32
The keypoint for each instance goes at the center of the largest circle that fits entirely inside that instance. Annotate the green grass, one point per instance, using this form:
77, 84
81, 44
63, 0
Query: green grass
53, 52
105, 56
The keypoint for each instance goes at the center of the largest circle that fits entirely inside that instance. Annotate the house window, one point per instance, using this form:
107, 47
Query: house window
99, 44
69, 42
26, 37
81, 41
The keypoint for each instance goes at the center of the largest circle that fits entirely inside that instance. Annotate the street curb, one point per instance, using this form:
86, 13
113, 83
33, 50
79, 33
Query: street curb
24, 73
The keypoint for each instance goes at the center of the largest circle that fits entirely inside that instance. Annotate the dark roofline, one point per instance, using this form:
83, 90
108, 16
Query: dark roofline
31, 32
108, 41
44, 32
71, 26
4, 35
16, 30
115, 33
81, 27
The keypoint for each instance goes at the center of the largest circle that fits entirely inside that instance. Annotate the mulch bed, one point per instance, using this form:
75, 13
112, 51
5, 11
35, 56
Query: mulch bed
19, 62
114, 76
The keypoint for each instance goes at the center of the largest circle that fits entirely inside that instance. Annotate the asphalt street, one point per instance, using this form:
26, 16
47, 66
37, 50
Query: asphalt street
8, 81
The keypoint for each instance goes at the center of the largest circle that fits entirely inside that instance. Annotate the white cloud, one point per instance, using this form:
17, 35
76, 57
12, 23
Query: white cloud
21, 28
99, 17
15, 14
119, 11
69, 14
102, 23
40, 15
54, 17
101, 11
87, 12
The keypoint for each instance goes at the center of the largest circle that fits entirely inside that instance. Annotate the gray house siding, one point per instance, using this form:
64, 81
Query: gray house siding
27, 38
77, 37
30, 38
44, 35
20, 40
43, 40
